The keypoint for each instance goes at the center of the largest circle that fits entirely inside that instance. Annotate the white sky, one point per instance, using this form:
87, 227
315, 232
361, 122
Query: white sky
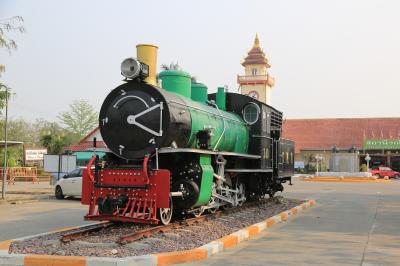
330, 58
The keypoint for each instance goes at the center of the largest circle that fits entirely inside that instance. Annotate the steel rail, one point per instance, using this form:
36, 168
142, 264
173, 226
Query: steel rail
186, 222
81, 232
144, 233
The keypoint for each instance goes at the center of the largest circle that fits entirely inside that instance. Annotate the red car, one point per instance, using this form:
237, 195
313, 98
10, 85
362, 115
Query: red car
382, 171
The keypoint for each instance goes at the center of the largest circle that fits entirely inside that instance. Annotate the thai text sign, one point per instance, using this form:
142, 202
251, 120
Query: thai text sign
382, 144
35, 155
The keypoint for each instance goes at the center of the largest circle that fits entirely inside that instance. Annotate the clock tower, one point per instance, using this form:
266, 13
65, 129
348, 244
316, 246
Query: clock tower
256, 82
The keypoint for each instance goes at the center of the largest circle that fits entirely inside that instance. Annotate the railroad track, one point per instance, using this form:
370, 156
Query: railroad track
148, 232
84, 231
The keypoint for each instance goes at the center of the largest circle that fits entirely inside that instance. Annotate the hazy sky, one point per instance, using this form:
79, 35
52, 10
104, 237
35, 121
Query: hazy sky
330, 58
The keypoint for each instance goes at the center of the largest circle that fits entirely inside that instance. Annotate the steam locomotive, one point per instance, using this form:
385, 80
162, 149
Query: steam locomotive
175, 149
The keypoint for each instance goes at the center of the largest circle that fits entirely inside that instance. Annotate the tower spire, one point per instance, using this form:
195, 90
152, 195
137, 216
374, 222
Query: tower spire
256, 41
256, 82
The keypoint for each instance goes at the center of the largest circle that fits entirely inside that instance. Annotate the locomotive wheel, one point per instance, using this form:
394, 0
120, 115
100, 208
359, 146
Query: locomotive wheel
165, 214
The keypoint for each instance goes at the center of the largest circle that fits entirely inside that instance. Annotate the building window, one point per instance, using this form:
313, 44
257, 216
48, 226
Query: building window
254, 71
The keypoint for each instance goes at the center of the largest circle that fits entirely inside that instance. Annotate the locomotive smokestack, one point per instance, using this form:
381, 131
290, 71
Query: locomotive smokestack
147, 53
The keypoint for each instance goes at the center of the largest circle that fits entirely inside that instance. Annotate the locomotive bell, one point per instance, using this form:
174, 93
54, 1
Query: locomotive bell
132, 68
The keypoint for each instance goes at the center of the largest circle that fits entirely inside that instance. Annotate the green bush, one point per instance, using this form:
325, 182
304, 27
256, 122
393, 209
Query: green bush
363, 168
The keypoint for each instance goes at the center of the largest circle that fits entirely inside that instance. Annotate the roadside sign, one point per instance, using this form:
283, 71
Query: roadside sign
59, 165
62, 163
35, 154
299, 164
382, 144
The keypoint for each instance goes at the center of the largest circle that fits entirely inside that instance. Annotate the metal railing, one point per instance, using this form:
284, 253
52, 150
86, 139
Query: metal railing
248, 78
20, 172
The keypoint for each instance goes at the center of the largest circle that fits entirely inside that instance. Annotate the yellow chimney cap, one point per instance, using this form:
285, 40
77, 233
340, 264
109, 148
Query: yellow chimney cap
147, 44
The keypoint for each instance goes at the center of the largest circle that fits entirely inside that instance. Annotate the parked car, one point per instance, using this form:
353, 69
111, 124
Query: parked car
70, 184
382, 171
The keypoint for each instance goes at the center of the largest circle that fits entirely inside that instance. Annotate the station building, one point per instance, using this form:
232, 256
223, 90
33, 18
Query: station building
378, 137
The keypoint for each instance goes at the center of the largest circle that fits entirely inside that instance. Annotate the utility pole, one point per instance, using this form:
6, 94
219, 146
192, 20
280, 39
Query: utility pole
3, 192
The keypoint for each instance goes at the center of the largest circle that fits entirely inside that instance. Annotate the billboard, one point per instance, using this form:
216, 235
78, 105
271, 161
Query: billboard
35, 154
59, 163
382, 144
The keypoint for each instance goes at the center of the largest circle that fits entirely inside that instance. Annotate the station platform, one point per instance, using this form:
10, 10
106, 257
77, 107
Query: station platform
352, 224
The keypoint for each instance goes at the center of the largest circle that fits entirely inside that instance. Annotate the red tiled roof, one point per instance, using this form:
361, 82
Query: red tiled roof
89, 134
255, 56
342, 132
84, 146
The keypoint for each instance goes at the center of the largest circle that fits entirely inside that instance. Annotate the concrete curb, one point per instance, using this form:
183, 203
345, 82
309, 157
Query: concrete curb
344, 180
199, 253
13, 198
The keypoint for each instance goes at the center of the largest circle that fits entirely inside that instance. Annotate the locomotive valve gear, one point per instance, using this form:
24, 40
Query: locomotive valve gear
221, 178
221, 162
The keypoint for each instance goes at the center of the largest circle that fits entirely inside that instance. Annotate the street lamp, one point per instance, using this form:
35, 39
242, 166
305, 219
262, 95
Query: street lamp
5, 147
367, 158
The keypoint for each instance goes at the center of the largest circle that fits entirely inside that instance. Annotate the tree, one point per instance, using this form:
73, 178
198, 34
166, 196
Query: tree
54, 143
13, 24
81, 118
4, 92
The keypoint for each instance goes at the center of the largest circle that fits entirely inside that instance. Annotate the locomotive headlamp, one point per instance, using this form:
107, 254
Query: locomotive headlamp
132, 68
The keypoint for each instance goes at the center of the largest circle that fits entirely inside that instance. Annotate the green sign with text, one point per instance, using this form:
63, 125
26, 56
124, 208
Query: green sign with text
382, 144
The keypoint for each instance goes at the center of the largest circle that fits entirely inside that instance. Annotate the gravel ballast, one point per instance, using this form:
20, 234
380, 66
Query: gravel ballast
103, 243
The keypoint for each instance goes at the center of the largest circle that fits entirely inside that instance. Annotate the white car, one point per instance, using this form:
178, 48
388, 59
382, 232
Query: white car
70, 184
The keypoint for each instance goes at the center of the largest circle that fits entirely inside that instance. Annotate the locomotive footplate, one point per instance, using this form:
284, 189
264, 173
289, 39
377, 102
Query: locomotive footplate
125, 195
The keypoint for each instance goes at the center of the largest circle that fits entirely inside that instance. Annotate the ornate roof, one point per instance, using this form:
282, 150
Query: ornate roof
256, 55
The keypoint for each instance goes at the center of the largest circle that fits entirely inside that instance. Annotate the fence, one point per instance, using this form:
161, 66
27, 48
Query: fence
22, 173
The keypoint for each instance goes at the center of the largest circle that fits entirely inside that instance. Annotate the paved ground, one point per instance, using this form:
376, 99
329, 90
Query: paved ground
25, 187
27, 191
17, 220
353, 224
